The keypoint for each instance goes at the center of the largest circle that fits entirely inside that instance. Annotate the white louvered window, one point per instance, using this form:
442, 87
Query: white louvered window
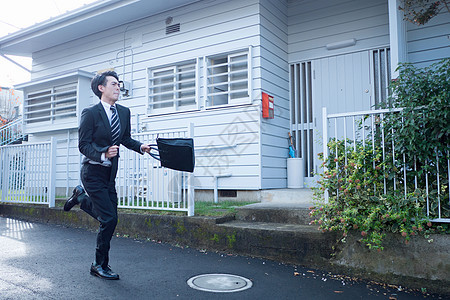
51, 104
227, 78
201, 83
173, 88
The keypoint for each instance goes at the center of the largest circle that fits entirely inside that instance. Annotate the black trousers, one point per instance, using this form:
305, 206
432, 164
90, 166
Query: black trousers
101, 204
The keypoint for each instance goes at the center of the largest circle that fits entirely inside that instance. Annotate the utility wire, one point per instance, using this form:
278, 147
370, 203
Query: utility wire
9, 24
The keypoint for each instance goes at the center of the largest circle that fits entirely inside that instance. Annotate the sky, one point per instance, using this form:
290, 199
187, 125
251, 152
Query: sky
18, 14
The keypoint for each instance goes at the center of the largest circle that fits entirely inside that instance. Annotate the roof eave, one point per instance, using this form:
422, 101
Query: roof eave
60, 29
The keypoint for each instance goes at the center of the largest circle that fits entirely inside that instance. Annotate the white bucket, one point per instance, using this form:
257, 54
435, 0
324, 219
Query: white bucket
295, 171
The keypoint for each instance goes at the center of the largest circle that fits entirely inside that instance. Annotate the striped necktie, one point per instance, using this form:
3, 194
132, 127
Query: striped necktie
115, 125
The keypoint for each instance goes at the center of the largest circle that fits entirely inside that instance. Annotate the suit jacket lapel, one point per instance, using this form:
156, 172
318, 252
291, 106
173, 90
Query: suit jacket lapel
104, 118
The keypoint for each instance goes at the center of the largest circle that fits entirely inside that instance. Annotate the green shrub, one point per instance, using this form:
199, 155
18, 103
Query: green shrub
357, 200
365, 180
423, 127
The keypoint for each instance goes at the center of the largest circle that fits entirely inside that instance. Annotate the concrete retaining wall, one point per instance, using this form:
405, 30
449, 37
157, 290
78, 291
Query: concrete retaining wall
420, 264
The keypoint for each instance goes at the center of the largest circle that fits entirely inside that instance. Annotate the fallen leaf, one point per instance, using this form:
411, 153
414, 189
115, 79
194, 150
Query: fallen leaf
296, 273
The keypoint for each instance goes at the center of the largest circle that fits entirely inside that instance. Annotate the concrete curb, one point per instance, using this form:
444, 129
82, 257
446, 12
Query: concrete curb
308, 247
410, 265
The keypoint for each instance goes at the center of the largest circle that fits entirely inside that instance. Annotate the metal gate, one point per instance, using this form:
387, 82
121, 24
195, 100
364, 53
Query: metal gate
28, 173
302, 126
344, 83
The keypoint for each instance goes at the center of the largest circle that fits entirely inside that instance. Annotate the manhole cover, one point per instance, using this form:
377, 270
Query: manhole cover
219, 283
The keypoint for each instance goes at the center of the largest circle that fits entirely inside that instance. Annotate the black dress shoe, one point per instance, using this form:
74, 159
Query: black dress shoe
73, 200
104, 273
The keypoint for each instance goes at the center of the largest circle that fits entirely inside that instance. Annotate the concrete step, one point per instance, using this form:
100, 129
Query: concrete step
287, 206
309, 229
269, 213
291, 243
287, 196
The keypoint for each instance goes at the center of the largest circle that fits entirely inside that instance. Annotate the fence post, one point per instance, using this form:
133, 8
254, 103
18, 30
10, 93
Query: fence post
3, 173
325, 144
191, 190
52, 173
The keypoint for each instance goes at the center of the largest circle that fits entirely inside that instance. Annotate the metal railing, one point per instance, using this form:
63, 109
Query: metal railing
143, 184
28, 173
28, 176
359, 130
11, 132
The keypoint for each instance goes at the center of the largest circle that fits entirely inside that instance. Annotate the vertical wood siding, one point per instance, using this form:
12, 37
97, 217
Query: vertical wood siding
275, 82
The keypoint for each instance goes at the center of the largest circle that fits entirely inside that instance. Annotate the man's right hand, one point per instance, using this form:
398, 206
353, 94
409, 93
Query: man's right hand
112, 151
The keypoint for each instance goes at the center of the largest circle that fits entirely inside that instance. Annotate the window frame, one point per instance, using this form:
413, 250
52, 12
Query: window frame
47, 103
174, 100
249, 78
202, 96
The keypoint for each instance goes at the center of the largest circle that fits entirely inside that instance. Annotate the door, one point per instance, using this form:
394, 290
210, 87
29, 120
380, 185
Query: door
343, 83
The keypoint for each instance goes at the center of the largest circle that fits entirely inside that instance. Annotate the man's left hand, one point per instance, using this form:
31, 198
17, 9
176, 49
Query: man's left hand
145, 148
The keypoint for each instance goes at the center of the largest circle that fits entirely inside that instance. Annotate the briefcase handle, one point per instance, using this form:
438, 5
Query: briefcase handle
154, 147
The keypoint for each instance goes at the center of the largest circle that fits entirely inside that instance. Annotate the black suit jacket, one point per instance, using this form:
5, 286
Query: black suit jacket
94, 134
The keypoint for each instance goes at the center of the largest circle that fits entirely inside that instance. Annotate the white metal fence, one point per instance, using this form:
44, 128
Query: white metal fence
359, 130
28, 173
143, 184
28, 176
11, 132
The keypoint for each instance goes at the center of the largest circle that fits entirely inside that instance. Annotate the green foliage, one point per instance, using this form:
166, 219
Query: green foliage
381, 182
421, 131
231, 240
215, 238
423, 126
223, 208
355, 183
421, 11
202, 208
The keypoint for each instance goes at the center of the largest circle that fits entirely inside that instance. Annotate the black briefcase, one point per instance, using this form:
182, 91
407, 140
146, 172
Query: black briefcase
175, 153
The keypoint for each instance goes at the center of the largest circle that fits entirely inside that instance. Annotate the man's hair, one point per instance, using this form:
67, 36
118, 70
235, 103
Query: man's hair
100, 79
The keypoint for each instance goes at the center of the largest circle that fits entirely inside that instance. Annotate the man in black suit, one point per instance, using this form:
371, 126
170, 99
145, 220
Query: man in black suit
103, 127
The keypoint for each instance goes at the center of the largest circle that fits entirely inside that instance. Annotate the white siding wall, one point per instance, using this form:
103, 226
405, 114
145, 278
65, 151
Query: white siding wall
226, 141
207, 27
275, 82
429, 43
315, 23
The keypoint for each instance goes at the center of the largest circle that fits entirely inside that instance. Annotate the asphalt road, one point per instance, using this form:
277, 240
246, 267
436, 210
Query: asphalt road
42, 261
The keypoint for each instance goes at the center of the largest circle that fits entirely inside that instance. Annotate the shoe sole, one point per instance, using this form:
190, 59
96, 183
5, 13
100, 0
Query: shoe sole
106, 278
66, 207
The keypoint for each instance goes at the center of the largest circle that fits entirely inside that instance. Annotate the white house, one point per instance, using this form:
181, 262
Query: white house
208, 62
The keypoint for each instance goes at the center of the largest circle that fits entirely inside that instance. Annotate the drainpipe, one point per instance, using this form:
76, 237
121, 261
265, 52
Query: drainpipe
123, 51
216, 185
